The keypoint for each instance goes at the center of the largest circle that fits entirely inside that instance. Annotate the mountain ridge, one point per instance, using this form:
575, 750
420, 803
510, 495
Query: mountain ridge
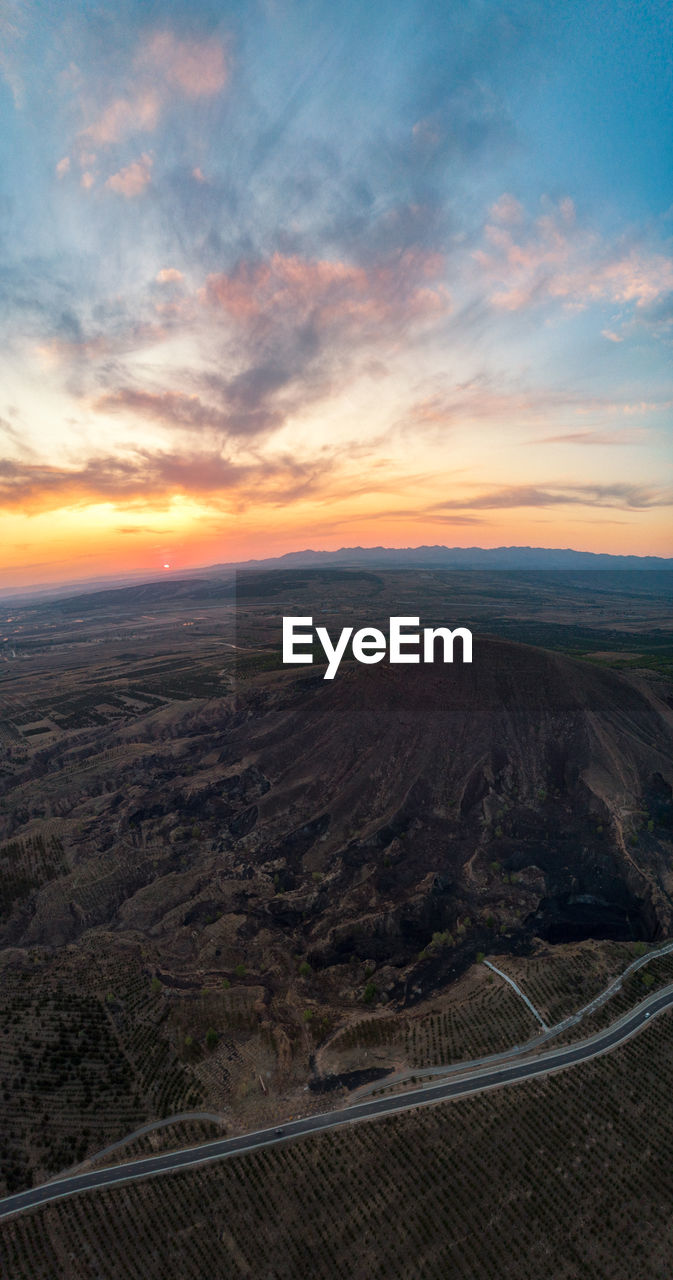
437, 556
440, 556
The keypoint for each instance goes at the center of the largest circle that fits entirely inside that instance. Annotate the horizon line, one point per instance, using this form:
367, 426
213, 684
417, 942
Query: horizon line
55, 588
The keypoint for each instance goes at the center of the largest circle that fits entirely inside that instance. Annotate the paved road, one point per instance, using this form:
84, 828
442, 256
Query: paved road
529, 1046
181, 1117
473, 1082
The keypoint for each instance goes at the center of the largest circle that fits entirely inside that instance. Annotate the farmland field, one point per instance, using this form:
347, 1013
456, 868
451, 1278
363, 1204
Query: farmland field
567, 1177
216, 897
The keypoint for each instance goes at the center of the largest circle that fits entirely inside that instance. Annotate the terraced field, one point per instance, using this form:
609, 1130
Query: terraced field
481, 1014
568, 1177
80, 1068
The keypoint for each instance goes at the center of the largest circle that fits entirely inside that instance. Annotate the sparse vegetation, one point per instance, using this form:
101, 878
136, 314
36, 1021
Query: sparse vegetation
164, 926
567, 1177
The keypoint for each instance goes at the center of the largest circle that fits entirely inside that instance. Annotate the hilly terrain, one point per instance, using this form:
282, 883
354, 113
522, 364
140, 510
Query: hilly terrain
415, 795
223, 881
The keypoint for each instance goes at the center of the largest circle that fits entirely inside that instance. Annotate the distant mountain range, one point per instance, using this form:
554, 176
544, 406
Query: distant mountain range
439, 557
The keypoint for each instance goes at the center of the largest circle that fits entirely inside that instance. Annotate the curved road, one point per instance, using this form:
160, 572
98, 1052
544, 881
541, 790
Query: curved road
472, 1082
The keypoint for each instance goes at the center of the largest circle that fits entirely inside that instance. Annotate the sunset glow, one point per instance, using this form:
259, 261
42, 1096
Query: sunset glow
398, 275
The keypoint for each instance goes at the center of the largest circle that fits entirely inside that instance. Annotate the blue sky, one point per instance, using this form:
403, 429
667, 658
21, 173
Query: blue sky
278, 275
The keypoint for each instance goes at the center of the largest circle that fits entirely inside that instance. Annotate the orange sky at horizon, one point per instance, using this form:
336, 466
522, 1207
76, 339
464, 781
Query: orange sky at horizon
112, 543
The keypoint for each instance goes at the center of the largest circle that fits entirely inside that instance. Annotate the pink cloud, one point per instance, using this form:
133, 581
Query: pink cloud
132, 180
503, 404
125, 117
168, 275
333, 293
558, 259
507, 209
162, 66
483, 400
595, 438
199, 68
626, 497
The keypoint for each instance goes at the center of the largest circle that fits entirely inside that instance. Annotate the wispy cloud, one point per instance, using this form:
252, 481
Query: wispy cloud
295, 258
150, 480
72, 347
291, 328
594, 438
123, 118
486, 398
178, 410
627, 497
15, 437
331, 293
197, 68
13, 23
162, 68
553, 258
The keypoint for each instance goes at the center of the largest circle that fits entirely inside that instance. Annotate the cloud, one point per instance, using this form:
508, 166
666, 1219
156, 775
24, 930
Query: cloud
172, 407
12, 31
124, 118
72, 346
168, 275
507, 210
286, 330
425, 516
141, 528
253, 402
15, 437
132, 180
646, 406
555, 259
198, 68
594, 437
490, 398
331, 293
177, 410
626, 497
497, 399
162, 68
150, 480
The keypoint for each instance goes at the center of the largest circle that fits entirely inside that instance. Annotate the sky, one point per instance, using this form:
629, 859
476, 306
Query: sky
279, 275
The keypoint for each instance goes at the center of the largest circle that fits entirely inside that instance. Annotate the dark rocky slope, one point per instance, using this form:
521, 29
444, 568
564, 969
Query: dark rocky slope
391, 814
